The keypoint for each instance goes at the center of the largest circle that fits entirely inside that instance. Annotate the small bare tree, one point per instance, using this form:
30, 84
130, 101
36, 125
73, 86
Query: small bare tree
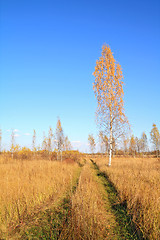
44, 143
103, 141
50, 137
144, 143
67, 144
125, 143
132, 146
138, 145
59, 138
91, 142
34, 142
155, 138
12, 142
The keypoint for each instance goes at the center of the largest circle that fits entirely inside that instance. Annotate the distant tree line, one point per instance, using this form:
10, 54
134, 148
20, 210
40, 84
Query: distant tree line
54, 142
128, 145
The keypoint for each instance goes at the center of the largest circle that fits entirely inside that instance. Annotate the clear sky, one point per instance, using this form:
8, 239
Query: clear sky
48, 51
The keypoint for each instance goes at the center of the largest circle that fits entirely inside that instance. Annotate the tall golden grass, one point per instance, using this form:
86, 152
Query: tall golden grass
91, 216
25, 186
138, 183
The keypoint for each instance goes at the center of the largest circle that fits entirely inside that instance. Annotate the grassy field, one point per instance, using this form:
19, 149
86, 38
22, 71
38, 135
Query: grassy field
43, 199
137, 181
29, 186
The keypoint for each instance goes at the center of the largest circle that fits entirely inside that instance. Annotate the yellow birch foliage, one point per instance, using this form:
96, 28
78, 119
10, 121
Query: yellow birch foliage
108, 89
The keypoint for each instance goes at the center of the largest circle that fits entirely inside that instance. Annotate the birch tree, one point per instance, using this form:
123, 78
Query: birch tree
59, 138
91, 142
144, 143
125, 141
12, 142
50, 137
103, 141
155, 138
67, 144
132, 146
108, 89
138, 144
44, 143
34, 141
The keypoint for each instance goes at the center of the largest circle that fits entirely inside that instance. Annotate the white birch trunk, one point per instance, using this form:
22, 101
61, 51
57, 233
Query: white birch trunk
110, 149
110, 143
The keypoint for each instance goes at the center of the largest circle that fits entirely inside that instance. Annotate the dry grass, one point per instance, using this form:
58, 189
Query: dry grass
26, 186
91, 218
138, 183
30, 186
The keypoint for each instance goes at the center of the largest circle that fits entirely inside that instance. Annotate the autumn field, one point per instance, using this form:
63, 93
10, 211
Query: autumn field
84, 199
27, 187
137, 181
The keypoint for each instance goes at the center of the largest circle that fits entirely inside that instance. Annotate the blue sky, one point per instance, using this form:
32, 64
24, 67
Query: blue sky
48, 51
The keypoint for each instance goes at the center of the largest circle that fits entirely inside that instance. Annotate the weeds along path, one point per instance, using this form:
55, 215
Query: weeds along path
124, 227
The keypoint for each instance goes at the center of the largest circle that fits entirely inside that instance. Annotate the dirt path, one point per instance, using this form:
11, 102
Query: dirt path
124, 228
90, 216
95, 211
